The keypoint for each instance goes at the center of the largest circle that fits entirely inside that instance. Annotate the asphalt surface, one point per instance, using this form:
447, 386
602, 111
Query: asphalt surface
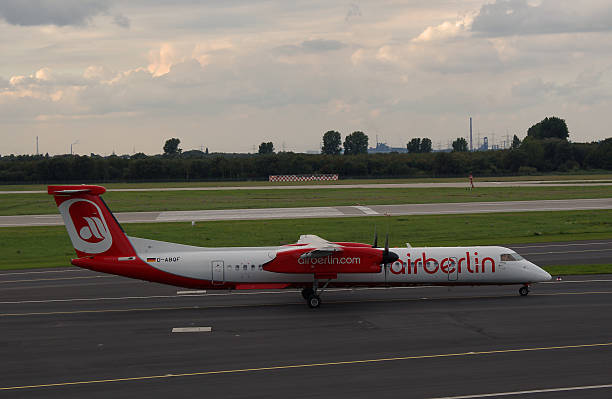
273, 186
328, 212
74, 333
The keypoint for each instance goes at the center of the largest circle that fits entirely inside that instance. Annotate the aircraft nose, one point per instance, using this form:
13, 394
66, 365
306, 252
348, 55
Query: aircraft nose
541, 274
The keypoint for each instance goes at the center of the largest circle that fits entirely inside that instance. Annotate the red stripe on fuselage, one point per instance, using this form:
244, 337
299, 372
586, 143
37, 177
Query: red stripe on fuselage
143, 271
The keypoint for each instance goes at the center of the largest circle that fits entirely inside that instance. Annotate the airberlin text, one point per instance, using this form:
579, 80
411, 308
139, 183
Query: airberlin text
328, 260
467, 264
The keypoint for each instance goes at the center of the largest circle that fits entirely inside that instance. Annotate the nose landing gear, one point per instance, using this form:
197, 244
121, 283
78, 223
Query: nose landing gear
524, 290
311, 295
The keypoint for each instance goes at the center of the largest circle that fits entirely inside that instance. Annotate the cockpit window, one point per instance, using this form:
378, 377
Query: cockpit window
511, 257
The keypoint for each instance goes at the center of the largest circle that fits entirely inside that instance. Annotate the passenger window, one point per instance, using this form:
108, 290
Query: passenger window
260, 267
237, 267
252, 267
244, 267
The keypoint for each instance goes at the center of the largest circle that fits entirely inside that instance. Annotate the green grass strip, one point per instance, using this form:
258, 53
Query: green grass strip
43, 246
37, 204
561, 270
258, 183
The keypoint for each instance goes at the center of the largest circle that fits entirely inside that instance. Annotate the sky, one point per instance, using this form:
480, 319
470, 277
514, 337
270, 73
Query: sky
124, 76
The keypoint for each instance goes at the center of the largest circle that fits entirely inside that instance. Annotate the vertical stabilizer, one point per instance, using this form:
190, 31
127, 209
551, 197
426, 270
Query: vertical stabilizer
92, 228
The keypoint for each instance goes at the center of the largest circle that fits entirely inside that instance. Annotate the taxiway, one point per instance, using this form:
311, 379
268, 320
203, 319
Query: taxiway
73, 333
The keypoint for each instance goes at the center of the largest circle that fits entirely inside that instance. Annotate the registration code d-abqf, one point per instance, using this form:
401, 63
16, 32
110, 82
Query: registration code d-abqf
168, 259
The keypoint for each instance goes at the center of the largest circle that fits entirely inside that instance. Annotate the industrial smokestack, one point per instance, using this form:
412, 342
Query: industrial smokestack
471, 148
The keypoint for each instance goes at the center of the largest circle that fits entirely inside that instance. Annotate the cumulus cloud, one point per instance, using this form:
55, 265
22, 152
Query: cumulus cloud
587, 88
312, 46
522, 17
160, 61
446, 30
56, 12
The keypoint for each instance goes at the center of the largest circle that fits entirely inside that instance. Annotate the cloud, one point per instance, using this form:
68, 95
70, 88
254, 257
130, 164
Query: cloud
121, 20
445, 30
312, 47
352, 12
56, 12
521, 17
160, 61
587, 88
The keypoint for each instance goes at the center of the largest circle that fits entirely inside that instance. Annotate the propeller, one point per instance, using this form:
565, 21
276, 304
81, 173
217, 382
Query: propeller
375, 245
388, 257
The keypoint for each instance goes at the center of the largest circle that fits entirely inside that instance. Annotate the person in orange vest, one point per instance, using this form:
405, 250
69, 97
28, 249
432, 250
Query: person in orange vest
471, 181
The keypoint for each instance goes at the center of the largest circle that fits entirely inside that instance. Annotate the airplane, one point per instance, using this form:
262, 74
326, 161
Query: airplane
312, 263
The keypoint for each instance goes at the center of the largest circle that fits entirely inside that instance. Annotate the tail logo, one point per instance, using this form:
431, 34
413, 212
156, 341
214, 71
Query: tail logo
86, 226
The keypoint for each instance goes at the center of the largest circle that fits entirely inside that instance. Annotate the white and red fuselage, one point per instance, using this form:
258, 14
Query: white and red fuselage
102, 245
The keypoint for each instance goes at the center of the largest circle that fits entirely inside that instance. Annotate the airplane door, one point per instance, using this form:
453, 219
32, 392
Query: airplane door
218, 272
453, 269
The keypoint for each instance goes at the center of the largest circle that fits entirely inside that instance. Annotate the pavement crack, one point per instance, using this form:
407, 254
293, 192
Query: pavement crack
460, 322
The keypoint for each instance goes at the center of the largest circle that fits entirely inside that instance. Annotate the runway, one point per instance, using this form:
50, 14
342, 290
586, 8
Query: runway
288, 186
328, 212
73, 333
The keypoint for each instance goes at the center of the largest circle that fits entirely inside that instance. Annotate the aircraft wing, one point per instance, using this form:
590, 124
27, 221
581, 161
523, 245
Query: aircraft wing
321, 246
320, 252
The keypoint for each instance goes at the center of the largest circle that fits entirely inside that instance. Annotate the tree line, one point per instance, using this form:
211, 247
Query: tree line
545, 149
533, 156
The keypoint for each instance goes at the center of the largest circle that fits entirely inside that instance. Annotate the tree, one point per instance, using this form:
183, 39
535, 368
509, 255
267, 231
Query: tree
331, 143
414, 145
171, 147
516, 143
552, 127
425, 145
356, 143
266, 148
460, 145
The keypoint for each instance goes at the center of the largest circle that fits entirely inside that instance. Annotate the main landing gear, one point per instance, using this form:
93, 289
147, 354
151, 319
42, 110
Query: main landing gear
524, 290
311, 295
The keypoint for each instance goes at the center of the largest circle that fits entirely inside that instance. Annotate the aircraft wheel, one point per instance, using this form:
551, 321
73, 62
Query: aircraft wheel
307, 292
314, 301
524, 290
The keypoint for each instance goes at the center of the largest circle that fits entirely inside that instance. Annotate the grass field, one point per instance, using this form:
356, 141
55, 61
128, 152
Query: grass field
49, 246
563, 270
241, 183
35, 204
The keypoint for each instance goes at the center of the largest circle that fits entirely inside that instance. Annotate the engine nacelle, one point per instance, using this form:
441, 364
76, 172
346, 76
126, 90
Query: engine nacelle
348, 260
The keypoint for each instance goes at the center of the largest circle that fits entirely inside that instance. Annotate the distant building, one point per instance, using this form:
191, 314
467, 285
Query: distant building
383, 148
485, 144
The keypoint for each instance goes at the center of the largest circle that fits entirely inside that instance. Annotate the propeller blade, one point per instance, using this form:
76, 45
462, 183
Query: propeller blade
375, 238
387, 243
388, 256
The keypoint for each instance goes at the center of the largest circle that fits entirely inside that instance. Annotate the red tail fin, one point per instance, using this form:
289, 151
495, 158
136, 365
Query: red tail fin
91, 226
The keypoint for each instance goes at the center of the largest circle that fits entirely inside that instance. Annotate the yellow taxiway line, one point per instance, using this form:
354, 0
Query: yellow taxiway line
306, 365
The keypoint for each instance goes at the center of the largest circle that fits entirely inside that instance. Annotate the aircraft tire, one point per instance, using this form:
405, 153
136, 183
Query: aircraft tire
314, 301
524, 290
307, 292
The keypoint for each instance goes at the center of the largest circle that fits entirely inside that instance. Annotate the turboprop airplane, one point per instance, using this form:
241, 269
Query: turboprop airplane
312, 264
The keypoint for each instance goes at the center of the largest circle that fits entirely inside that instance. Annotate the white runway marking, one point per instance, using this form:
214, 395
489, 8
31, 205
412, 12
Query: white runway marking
191, 329
489, 395
562, 245
568, 252
191, 292
293, 292
41, 272
53, 279
366, 210
575, 281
